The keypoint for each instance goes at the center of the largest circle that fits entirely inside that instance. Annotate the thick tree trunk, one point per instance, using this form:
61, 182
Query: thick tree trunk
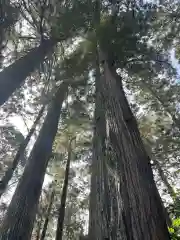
43, 234
100, 199
18, 222
14, 75
61, 214
9, 173
141, 206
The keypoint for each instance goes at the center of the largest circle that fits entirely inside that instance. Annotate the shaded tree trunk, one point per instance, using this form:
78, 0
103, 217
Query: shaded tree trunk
158, 167
14, 75
96, 192
43, 234
100, 199
141, 209
9, 173
20, 216
103, 210
61, 211
164, 179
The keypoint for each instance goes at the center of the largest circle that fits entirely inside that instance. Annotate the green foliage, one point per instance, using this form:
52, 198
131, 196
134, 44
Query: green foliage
137, 45
175, 229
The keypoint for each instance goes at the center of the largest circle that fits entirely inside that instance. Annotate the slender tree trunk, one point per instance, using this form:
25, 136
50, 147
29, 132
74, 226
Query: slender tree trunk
9, 173
14, 75
43, 234
61, 215
19, 220
142, 210
164, 179
158, 167
38, 230
96, 211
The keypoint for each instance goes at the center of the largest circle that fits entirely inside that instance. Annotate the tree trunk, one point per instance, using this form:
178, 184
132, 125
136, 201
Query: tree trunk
14, 75
103, 207
141, 206
43, 234
61, 215
38, 230
100, 208
164, 179
18, 222
9, 173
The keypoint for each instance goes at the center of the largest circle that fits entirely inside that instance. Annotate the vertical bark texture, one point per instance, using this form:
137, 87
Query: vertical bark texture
18, 222
100, 209
60, 222
9, 173
43, 235
14, 75
95, 206
142, 211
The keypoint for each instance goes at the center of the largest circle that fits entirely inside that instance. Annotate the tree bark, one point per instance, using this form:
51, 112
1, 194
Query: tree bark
141, 206
61, 215
43, 234
14, 75
20, 216
104, 217
9, 173
96, 193
102, 186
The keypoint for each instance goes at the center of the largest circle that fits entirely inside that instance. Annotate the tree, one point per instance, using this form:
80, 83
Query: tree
124, 201
18, 222
133, 167
13, 76
135, 177
43, 234
60, 222
9, 172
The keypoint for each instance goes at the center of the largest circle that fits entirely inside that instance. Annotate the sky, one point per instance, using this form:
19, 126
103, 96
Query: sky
19, 123
175, 62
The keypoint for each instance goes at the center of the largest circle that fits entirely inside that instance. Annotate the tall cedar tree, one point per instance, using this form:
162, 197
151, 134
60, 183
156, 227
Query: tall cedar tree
140, 205
142, 210
61, 211
20, 216
99, 209
9, 173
